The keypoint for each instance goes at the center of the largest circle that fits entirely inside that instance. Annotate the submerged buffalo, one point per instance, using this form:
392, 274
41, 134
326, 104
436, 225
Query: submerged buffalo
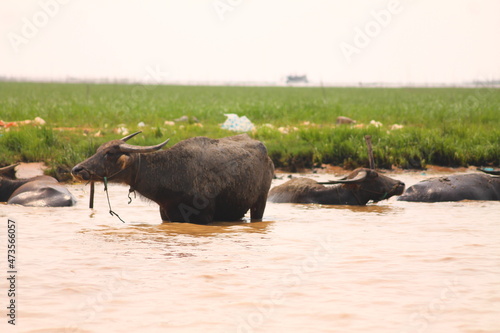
40, 191
473, 186
198, 180
357, 188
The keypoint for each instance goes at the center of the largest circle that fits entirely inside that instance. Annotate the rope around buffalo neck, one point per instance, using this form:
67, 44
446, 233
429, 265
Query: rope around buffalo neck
111, 212
132, 187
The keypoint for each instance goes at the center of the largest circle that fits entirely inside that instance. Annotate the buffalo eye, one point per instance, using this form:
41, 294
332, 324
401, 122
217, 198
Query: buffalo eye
114, 155
110, 155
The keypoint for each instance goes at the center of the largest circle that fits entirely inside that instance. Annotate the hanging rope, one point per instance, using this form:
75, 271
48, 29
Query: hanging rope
132, 189
129, 197
111, 212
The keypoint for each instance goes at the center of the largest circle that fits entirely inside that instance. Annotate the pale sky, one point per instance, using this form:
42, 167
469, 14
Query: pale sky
330, 41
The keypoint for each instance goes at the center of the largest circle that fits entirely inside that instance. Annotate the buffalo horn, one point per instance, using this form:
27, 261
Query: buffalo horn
126, 148
130, 136
8, 168
360, 177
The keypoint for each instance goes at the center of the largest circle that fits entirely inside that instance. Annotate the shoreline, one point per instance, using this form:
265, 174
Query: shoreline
33, 169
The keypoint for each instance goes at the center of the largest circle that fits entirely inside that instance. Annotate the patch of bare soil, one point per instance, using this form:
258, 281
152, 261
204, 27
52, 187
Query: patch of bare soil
28, 170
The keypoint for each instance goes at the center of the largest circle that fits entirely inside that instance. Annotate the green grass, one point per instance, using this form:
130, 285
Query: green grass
442, 126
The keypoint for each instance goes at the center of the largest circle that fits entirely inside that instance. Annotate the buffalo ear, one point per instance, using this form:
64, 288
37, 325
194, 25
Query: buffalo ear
123, 160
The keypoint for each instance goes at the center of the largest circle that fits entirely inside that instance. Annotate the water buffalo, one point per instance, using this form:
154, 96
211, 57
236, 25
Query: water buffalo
40, 191
357, 188
198, 180
472, 186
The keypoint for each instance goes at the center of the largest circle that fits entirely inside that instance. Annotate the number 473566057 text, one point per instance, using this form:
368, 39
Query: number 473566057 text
11, 244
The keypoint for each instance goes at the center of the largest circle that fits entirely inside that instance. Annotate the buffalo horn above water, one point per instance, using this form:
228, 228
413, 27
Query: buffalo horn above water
8, 168
360, 177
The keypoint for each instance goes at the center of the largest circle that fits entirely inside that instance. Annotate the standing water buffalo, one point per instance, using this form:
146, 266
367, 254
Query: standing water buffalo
357, 188
473, 186
40, 191
198, 180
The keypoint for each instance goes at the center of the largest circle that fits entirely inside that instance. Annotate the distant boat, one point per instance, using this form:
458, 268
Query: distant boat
296, 79
491, 171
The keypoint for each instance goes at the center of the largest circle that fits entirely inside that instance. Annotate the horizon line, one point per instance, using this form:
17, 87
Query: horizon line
310, 84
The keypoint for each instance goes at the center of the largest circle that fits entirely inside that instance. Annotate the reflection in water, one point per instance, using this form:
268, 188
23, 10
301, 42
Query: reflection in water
370, 208
212, 229
166, 230
429, 267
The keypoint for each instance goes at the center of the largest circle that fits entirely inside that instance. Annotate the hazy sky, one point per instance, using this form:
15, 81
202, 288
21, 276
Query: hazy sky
349, 41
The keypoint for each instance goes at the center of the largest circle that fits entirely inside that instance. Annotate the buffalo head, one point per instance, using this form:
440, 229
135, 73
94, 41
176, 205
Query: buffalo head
114, 160
371, 184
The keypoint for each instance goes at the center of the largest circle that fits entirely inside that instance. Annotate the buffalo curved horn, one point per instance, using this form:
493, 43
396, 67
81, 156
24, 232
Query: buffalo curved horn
126, 148
359, 177
8, 168
130, 136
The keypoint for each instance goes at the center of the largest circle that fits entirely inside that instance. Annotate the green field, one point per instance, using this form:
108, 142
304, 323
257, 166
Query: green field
441, 126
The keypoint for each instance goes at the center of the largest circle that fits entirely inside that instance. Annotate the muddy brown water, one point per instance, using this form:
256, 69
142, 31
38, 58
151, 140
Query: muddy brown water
387, 267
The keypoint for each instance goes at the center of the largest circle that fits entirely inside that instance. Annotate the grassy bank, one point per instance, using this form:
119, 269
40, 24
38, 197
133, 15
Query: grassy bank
442, 126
